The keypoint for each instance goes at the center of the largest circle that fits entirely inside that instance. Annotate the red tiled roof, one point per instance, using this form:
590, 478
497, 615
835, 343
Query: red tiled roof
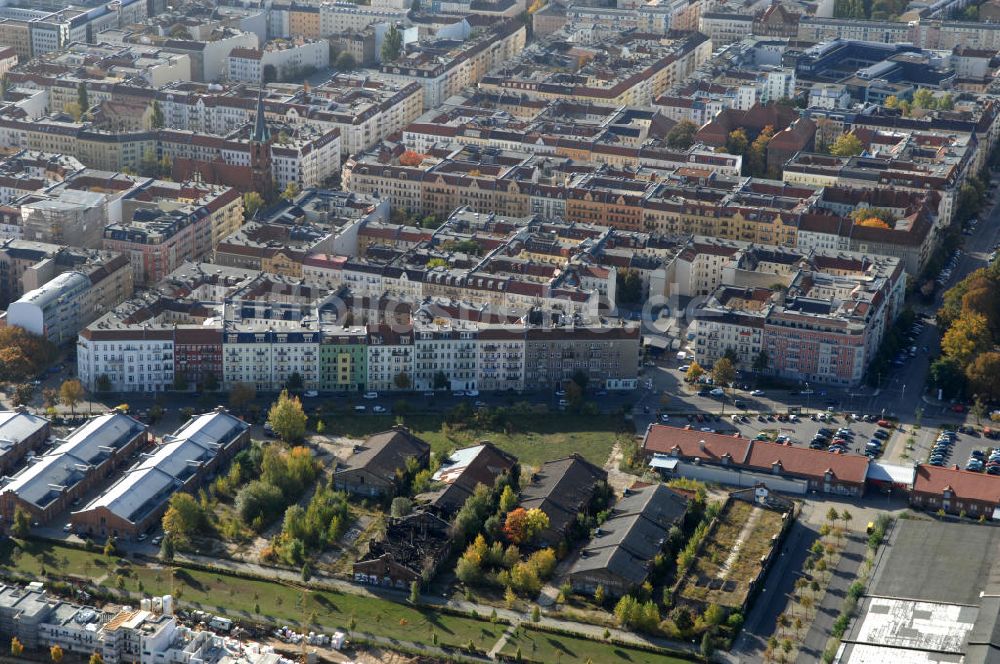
691, 443
964, 484
808, 462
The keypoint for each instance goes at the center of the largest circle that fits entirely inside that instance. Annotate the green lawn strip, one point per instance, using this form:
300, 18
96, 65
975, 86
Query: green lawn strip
541, 437
237, 597
539, 646
317, 610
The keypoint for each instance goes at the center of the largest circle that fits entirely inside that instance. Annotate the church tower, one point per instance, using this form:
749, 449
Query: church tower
261, 179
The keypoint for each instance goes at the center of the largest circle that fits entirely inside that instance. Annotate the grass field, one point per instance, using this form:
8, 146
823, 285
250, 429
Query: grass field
553, 649
539, 438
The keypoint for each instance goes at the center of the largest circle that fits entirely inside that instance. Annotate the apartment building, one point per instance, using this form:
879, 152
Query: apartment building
444, 68
817, 317
147, 635
158, 241
622, 69
61, 306
277, 60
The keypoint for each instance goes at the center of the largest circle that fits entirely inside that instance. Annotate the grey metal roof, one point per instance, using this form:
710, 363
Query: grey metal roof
69, 463
151, 482
16, 427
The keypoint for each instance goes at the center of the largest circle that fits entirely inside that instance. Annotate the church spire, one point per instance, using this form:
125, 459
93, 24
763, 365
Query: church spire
261, 133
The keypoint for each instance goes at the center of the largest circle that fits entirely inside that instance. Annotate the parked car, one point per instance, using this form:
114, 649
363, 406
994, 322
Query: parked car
310, 393
757, 393
379, 409
371, 395
717, 392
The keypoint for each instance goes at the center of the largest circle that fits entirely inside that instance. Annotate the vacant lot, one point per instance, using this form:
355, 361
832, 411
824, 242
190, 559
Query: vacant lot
534, 439
731, 557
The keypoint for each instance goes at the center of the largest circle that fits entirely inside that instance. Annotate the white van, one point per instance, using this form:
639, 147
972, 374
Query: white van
682, 356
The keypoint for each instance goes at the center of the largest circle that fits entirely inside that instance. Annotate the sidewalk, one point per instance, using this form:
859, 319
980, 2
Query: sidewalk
829, 607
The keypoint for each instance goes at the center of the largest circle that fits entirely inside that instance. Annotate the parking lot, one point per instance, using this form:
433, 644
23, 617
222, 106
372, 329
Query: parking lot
961, 449
799, 432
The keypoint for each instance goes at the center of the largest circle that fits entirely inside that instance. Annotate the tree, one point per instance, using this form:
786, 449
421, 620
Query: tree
295, 382
947, 375
411, 159
945, 102
71, 392
291, 191
891, 102
23, 355
714, 614
402, 381
737, 142
694, 372
82, 98
23, 394
401, 506
252, 202
96, 658
508, 499
984, 375
847, 145
978, 410
184, 517
22, 523
761, 362
103, 384
536, 614
846, 516
414, 592
241, 394
681, 135
523, 525
923, 98
157, 120
259, 503
599, 594
392, 46
441, 381
832, 515
211, 383
630, 287
756, 158
287, 418
723, 372
707, 646
167, 548
345, 62
967, 337
16, 647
